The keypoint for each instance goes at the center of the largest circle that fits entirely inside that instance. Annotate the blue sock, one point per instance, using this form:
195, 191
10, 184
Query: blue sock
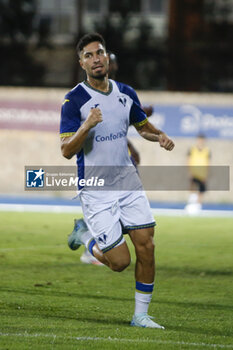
90, 246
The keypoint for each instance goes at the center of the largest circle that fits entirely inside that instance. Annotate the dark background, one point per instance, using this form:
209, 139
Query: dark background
196, 54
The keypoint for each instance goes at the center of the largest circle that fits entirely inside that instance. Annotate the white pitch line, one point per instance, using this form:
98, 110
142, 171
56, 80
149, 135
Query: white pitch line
182, 212
120, 340
40, 208
43, 208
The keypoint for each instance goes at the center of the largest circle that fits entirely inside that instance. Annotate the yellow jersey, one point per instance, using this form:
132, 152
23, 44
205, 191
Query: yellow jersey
198, 162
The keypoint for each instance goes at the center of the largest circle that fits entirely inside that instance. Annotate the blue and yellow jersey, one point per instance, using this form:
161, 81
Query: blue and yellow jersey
106, 143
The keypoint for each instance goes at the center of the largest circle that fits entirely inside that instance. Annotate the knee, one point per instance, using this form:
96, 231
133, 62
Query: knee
146, 248
148, 244
119, 266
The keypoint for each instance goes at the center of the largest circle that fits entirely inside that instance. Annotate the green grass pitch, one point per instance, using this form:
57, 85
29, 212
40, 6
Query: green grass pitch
50, 300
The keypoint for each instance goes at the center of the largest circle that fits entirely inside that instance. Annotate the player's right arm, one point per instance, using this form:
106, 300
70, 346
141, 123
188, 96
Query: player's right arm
70, 145
147, 130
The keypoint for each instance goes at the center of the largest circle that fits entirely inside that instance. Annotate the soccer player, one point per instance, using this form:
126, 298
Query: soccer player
198, 162
95, 118
87, 257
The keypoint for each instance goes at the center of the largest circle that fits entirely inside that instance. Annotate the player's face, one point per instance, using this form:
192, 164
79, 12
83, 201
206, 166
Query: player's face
94, 60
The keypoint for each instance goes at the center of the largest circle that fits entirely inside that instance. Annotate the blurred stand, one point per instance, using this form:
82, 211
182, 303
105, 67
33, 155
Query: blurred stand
177, 45
200, 46
78, 74
29, 135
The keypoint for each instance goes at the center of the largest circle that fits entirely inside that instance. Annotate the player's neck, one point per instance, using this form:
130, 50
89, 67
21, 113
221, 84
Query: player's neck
102, 85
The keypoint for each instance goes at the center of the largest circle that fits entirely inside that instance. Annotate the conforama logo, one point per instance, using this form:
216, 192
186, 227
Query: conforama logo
110, 137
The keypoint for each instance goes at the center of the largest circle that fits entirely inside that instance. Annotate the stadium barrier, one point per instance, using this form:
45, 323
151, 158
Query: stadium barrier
29, 134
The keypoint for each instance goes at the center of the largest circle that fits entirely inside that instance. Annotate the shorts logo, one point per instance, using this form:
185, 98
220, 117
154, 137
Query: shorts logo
35, 178
102, 238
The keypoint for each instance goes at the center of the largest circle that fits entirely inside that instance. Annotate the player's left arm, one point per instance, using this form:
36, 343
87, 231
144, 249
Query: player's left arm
149, 132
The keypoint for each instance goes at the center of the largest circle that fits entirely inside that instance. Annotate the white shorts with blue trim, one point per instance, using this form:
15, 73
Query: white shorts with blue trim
106, 217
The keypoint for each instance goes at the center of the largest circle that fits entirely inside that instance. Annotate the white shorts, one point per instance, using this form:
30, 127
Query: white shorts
105, 218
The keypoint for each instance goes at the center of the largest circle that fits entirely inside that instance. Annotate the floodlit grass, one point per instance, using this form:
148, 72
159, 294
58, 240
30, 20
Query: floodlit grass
50, 300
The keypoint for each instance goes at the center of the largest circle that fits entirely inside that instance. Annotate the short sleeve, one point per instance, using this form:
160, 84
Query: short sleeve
137, 115
70, 117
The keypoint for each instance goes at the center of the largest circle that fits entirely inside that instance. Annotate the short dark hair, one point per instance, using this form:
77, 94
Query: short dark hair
87, 39
201, 135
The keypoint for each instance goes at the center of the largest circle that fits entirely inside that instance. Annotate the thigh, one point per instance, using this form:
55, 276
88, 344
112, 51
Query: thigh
194, 186
118, 255
135, 212
104, 224
202, 187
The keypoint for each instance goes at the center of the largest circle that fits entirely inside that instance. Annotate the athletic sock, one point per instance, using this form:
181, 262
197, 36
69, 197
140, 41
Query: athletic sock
88, 240
143, 295
90, 244
86, 237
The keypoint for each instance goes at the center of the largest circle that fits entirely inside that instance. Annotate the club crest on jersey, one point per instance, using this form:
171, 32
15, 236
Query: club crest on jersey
122, 100
95, 106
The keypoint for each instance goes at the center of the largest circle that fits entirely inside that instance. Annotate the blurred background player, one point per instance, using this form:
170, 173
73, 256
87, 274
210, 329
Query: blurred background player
87, 257
198, 163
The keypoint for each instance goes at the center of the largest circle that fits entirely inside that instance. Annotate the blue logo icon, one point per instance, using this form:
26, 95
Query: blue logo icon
102, 238
95, 106
123, 100
35, 178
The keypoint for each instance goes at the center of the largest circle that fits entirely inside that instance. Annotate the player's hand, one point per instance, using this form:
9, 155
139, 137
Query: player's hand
166, 142
94, 118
